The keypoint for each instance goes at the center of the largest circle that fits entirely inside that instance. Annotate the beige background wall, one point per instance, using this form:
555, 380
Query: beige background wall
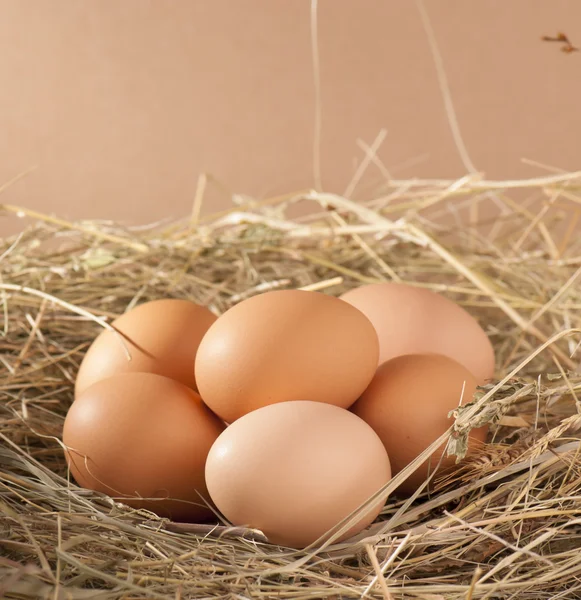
122, 103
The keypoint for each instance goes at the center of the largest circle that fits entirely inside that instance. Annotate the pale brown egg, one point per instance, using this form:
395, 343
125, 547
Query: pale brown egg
144, 438
413, 320
407, 405
161, 336
295, 470
285, 345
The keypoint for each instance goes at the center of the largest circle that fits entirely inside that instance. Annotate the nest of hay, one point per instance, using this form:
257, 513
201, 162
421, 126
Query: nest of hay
507, 525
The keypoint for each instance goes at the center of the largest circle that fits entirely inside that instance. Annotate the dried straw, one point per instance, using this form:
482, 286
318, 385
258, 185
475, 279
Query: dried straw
506, 525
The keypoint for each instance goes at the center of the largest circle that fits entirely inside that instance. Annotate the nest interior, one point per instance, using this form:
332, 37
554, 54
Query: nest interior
506, 525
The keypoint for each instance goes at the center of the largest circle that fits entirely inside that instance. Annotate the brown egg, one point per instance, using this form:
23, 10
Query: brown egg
294, 470
407, 405
142, 436
412, 320
161, 336
285, 345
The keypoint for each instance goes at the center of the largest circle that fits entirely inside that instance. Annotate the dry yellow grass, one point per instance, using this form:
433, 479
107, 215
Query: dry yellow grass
507, 525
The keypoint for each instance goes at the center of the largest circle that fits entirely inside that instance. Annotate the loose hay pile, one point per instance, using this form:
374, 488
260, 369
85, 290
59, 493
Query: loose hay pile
508, 525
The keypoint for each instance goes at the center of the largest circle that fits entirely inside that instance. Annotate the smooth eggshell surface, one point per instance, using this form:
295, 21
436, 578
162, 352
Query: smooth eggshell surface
285, 345
407, 405
295, 470
162, 337
143, 436
412, 320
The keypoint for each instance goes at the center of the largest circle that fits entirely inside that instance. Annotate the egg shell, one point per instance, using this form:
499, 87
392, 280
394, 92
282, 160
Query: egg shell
161, 336
414, 320
407, 405
285, 345
294, 470
142, 436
